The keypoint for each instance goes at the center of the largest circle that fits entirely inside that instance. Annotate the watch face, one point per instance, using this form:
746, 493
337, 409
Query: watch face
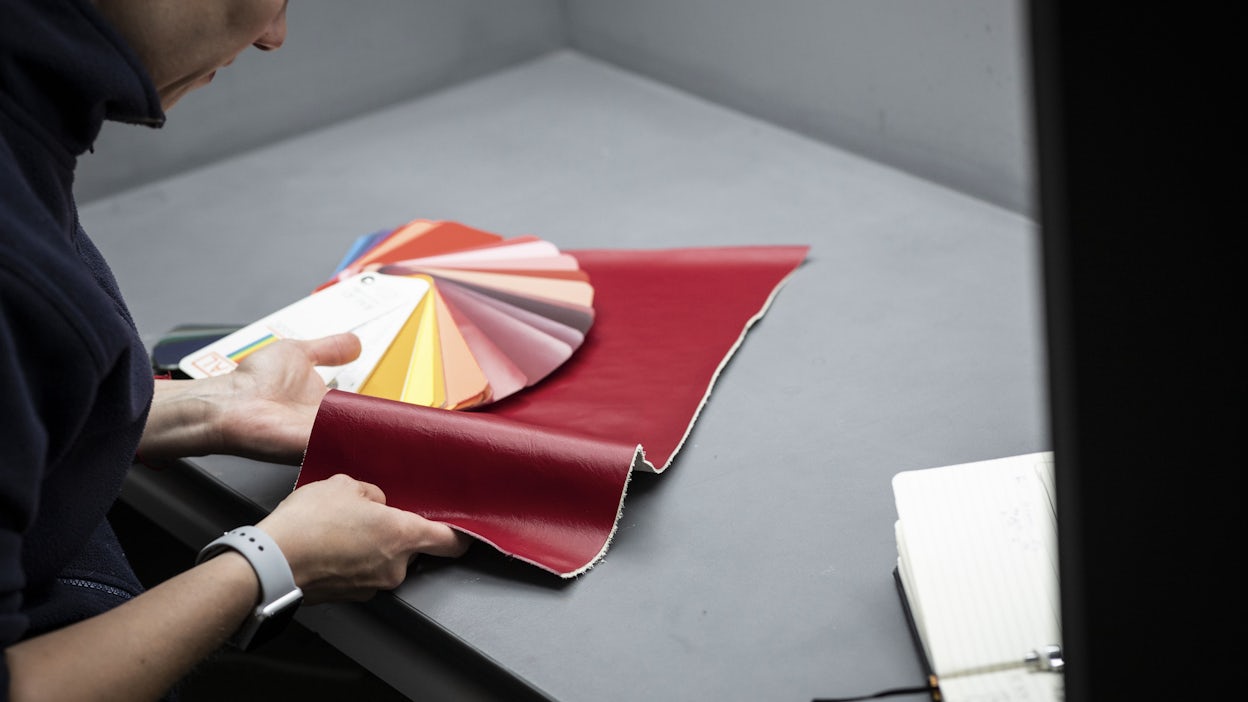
273, 619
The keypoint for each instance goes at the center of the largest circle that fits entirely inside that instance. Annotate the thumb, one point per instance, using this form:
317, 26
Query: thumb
332, 350
435, 538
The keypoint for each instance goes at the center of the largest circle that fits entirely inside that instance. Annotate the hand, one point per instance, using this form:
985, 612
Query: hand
274, 395
264, 409
343, 542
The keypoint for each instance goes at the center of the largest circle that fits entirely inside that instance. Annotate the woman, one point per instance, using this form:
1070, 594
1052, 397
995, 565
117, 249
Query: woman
80, 400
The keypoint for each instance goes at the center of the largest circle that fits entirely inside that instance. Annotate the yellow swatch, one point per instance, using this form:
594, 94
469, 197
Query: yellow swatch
424, 384
390, 374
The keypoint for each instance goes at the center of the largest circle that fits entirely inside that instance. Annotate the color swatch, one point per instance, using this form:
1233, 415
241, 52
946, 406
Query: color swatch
502, 313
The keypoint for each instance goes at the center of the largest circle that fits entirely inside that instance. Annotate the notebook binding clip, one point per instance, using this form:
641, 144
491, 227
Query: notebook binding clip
1046, 660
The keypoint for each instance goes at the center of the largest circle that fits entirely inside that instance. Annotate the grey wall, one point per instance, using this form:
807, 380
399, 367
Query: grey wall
935, 87
938, 88
340, 59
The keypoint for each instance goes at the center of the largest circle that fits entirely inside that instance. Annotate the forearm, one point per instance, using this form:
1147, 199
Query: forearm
142, 648
184, 420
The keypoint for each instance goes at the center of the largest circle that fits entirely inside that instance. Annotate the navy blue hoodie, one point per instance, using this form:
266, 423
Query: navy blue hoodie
77, 380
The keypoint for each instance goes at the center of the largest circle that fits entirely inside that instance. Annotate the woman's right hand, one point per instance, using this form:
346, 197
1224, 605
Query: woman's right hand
344, 543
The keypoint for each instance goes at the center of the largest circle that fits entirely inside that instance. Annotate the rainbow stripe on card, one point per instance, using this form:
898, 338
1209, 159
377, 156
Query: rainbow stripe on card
238, 355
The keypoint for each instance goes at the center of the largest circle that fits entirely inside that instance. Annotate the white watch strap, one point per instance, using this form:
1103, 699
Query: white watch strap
277, 583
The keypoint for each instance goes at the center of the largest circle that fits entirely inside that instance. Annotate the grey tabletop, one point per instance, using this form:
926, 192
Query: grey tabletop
757, 567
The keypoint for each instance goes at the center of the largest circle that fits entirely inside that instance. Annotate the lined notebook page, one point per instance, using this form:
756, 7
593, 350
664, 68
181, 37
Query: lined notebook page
977, 554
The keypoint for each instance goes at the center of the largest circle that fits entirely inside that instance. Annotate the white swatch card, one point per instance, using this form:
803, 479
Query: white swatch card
368, 304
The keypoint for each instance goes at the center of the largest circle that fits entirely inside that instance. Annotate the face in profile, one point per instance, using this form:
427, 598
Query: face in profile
183, 43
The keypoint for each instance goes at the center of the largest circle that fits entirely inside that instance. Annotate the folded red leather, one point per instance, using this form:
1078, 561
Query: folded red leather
541, 475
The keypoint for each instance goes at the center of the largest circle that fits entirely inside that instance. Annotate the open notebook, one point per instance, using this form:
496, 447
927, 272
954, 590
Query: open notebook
977, 568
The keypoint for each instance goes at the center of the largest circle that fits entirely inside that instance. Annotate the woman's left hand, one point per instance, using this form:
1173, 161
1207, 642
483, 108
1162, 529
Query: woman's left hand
264, 409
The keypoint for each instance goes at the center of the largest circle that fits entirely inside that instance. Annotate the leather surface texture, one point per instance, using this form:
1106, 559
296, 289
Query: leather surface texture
542, 475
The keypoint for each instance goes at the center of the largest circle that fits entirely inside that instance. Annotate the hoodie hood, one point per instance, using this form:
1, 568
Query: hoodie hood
64, 70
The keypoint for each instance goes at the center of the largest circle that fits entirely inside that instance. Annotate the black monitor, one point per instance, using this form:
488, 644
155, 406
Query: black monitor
1133, 127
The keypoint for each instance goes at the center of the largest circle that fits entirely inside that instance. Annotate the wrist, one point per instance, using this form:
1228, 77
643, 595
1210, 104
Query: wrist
185, 419
289, 542
234, 572
278, 598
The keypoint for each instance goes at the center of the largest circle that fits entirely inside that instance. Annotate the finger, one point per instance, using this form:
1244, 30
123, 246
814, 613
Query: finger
371, 492
441, 540
332, 350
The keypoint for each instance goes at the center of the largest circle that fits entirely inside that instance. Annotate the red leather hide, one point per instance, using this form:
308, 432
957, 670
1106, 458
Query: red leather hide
542, 475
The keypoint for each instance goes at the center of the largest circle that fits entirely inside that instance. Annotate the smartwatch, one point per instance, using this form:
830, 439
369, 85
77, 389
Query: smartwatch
279, 596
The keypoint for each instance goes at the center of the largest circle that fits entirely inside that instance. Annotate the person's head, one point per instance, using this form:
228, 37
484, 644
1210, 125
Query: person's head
182, 43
